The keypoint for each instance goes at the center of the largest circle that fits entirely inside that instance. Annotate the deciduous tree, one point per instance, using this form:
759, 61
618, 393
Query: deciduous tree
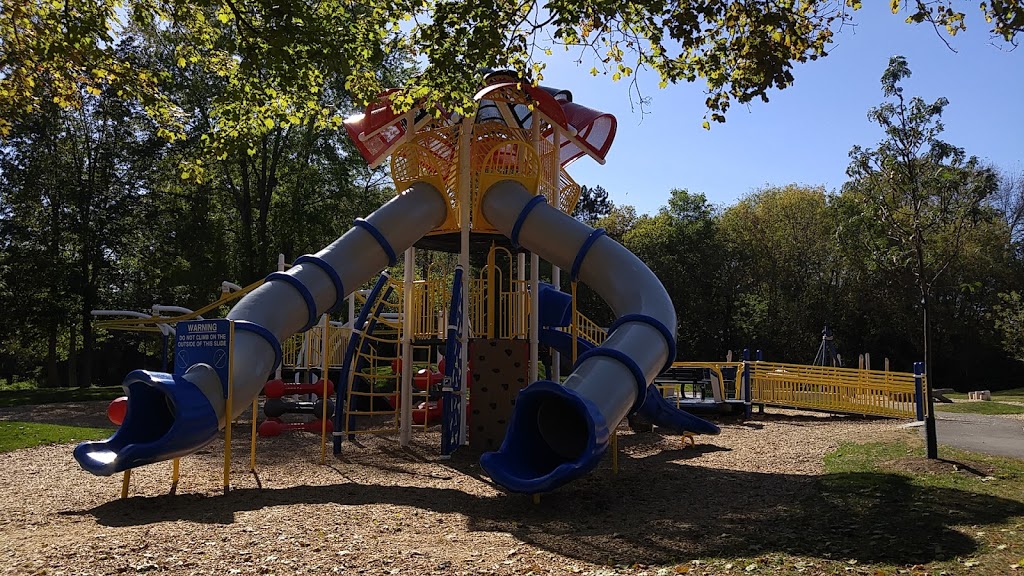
925, 192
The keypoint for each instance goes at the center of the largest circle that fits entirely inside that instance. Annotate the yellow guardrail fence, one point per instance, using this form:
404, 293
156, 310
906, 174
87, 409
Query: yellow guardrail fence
852, 390
841, 390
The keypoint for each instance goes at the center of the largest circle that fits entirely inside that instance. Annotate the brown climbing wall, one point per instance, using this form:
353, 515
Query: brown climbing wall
500, 371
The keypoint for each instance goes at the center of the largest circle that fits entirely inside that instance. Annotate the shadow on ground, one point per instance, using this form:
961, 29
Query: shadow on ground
658, 510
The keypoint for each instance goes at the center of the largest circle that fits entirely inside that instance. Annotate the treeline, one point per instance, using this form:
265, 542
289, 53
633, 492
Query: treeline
919, 256
770, 271
100, 209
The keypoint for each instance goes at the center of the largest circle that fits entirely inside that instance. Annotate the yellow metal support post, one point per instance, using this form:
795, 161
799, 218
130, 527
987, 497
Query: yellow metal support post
174, 475
125, 481
491, 297
323, 397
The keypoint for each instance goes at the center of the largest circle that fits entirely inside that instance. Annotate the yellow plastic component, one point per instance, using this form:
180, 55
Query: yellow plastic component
500, 153
568, 193
430, 157
511, 160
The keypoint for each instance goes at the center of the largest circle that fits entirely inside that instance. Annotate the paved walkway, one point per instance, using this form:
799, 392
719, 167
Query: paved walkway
981, 433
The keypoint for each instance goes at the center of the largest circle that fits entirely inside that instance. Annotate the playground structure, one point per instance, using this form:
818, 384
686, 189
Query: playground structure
492, 183
496, 177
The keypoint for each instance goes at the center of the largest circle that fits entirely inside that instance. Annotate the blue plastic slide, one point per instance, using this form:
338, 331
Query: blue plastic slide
559, 432
171, 416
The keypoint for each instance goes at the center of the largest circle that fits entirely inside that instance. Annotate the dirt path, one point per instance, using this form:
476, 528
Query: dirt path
384, 510
89, 414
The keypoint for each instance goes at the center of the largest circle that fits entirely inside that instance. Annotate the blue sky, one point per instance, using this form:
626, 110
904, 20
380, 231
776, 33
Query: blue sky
805, 132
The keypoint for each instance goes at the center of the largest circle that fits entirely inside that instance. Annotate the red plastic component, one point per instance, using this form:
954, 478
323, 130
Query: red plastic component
117, 409
425, 378
440, 368
432, 410
544, 101
427, 412
595, 130
275, 427
278, 388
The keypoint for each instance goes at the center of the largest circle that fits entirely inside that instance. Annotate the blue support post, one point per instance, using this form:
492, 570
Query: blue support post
747, 407
760, 356
919, 390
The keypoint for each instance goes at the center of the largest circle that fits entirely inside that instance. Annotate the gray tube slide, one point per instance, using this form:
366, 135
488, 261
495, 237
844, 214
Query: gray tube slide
558, 433
171, 416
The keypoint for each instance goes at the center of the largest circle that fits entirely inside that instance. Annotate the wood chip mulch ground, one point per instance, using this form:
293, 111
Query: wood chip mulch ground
381, 509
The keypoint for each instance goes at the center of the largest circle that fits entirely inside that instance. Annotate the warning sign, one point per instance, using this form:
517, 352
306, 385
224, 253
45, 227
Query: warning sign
204, 342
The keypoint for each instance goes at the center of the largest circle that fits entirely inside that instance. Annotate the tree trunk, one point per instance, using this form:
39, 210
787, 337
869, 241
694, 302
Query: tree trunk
89, 291
52, 374
929, 425
88, 337
73, 355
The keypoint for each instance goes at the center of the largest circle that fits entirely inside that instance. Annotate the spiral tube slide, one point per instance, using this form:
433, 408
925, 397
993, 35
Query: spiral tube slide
171, 416
559, 432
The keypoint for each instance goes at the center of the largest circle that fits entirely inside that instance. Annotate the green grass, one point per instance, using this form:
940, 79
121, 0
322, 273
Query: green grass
992, 408
18, 385
1011, 395
22, 397
17, 435
969, 501
879, 509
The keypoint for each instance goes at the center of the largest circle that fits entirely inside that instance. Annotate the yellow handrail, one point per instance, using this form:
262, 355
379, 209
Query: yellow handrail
589, 330
137, 323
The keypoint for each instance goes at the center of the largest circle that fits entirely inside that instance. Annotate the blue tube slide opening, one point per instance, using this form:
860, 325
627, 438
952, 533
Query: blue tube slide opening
167, 417
555, 436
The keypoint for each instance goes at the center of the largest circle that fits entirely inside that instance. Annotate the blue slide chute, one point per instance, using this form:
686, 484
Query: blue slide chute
558, 432
168, 417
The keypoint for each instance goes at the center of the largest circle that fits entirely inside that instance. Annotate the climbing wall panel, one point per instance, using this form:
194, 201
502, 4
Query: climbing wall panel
500, 371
